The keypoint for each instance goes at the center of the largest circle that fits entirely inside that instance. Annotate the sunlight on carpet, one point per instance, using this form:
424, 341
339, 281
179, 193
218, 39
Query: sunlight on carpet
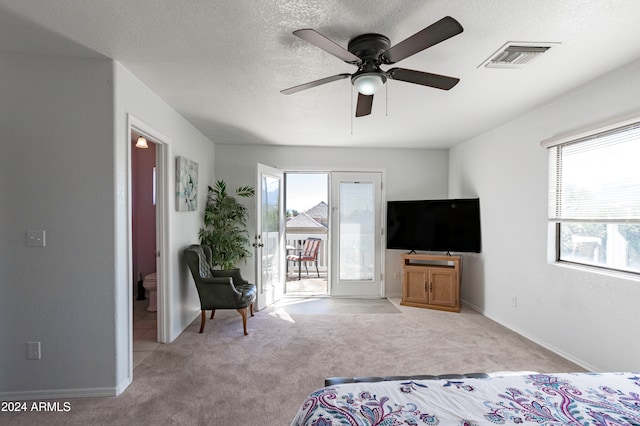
333, 306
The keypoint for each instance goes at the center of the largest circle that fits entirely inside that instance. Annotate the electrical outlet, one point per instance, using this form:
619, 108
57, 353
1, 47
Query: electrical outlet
33, 350
36, 238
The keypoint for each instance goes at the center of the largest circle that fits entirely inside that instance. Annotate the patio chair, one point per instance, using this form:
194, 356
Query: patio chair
308, 253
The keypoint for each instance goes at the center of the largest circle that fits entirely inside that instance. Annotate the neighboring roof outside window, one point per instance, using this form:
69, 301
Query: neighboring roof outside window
319, 212
311, 222
306, 222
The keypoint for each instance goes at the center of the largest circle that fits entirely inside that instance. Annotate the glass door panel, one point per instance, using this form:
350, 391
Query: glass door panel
356, 207
270, 253
357, 223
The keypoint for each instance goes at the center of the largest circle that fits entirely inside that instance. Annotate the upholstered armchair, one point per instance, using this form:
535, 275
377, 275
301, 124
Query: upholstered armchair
219, 289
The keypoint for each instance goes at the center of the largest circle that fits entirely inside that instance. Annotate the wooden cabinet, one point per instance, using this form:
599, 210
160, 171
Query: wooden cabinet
431, 281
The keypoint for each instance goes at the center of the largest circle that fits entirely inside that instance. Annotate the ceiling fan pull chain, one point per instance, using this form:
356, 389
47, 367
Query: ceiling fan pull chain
351, 109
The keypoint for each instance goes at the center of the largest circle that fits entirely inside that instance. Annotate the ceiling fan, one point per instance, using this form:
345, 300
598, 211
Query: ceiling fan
369, 51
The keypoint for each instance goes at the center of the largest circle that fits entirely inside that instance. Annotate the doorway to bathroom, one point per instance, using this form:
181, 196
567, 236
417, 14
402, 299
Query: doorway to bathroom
155, 190
144, 245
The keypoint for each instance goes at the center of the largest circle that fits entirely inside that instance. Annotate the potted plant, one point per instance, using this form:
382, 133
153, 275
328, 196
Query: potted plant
225, 226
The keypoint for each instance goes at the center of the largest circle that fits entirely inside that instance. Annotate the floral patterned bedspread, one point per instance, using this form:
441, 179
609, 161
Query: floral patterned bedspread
543, 399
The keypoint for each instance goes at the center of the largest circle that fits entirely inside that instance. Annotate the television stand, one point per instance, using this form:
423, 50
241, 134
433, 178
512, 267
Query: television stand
431, 281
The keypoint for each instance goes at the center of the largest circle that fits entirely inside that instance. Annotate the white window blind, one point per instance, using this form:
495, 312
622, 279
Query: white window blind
596, 178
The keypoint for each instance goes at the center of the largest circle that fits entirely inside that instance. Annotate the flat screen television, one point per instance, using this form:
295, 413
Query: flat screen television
434, 225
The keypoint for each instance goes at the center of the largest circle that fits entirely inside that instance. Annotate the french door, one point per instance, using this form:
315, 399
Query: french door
269, 239
356, 230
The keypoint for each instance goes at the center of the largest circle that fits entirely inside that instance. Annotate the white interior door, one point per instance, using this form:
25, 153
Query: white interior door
356, 200
269, 238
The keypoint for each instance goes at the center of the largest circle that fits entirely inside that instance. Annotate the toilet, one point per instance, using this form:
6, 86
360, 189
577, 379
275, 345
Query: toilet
150, 283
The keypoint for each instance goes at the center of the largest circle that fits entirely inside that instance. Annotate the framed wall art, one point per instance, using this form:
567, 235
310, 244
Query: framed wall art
186, 184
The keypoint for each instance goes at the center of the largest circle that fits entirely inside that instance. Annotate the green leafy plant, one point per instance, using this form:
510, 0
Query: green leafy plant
225, 226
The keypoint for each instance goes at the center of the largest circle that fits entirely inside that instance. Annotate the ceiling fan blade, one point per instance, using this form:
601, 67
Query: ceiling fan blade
315, 83
365, 102
315, 38
425, 78
445, 28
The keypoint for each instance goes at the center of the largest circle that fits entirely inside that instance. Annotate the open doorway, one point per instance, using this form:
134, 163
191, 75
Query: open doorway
338, 213
306, 233
144, 245
159, 146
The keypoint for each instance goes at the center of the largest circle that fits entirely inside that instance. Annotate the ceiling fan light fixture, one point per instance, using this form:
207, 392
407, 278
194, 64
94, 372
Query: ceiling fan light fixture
369, 83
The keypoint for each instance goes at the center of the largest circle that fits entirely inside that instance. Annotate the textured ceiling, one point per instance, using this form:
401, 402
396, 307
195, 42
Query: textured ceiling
222, 64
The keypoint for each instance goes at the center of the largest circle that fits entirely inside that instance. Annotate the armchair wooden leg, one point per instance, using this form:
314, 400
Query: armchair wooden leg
203, 318
213, 311
243, 312
251, 309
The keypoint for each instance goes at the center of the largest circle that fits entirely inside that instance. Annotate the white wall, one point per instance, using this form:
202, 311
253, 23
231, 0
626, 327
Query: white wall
410, 174
64, 164
56, 127
589, 317
133, 97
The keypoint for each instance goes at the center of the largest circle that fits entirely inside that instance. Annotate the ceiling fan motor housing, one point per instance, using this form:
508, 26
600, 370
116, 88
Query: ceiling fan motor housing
369, 47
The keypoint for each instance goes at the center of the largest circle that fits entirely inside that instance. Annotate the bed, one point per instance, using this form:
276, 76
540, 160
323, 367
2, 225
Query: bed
476, 399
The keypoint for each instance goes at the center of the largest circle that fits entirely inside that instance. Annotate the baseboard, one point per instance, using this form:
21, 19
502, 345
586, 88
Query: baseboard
472, 306
123, 386
526, 335
37, 395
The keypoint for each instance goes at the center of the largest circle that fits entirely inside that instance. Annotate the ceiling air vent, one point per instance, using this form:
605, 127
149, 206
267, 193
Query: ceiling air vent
516, 54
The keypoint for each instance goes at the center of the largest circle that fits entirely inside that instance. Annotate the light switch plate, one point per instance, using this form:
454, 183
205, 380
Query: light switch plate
35, 238
33, 350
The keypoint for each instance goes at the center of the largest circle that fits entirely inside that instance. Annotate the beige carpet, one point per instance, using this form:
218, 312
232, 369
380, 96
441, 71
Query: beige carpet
221, 377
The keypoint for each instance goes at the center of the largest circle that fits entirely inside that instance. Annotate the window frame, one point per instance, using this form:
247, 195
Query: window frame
555, 252
559, 260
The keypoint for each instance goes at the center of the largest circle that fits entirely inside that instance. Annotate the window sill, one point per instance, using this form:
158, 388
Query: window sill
632, 276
